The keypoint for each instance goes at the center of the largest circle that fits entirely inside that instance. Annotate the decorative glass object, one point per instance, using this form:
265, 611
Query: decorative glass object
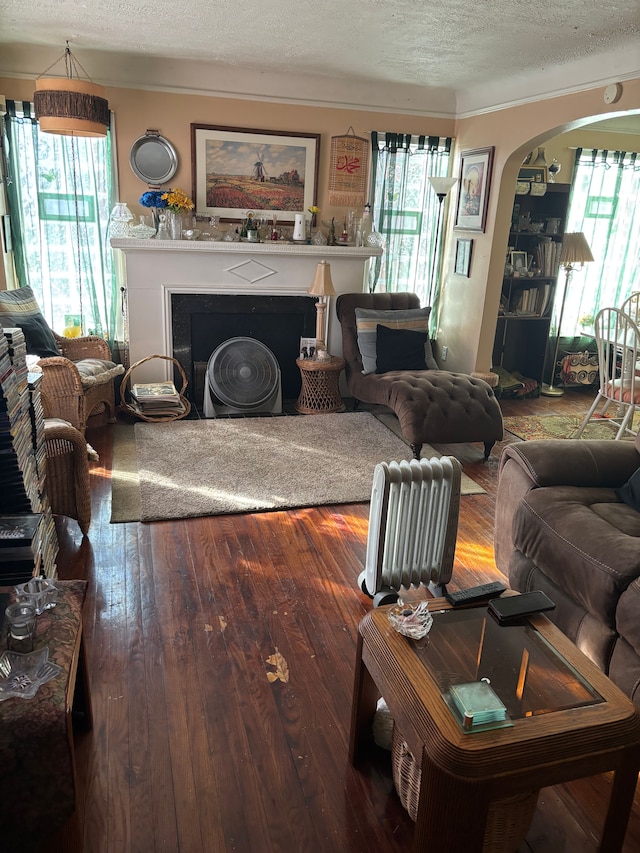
554, 169
175, 224
144, 230
318, 238
119, 221
411, 620
163, 230
22, 674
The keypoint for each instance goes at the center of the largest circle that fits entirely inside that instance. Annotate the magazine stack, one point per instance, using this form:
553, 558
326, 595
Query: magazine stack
156, 399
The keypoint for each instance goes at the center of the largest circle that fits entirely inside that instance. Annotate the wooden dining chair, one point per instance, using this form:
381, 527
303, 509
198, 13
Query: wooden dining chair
618, 343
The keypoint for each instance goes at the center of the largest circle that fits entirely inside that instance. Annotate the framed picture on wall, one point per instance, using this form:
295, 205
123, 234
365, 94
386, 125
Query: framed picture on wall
473, 193
268, 172
463, 257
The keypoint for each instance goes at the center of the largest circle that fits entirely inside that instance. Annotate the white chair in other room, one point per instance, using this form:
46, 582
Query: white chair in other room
618, 342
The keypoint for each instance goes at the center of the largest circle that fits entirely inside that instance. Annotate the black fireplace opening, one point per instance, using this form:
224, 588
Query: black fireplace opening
201, 322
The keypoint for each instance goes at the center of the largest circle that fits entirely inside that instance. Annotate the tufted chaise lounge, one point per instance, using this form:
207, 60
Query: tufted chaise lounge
432, 406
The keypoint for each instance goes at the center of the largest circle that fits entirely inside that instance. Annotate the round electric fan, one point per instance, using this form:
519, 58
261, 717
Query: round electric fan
243, 375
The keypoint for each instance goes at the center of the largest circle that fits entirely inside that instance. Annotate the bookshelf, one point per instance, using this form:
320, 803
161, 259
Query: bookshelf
526, 303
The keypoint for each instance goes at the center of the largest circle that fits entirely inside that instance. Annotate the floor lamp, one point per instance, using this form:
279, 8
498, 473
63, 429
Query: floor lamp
442, 188
574, 250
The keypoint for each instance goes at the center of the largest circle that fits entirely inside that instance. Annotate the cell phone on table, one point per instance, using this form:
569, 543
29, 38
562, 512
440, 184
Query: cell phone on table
516, 607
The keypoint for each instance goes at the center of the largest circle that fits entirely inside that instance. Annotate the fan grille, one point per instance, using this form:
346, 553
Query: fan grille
243, 373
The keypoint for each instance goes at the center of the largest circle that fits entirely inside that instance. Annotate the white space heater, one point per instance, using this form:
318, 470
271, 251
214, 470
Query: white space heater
413, 527
243, 377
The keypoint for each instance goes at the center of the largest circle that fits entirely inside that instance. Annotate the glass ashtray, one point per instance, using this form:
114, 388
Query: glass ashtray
22, 674
411, 620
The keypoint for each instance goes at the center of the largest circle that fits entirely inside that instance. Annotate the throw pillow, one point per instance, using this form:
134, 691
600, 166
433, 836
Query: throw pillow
20, 308
400, 349
630, 492
367, 321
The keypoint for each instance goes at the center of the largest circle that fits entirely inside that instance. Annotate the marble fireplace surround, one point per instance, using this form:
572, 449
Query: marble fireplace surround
153, 271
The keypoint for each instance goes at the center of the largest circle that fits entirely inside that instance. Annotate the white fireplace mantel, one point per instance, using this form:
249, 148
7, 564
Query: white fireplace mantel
155, 269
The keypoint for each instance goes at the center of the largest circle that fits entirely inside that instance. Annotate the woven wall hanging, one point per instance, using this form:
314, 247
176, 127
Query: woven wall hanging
348, 170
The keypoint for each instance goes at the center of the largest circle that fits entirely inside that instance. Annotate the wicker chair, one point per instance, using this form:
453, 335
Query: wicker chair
78, 373
67, 481
72, 393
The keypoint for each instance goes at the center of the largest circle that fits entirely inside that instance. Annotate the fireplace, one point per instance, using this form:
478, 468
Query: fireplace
201, 322
153, 273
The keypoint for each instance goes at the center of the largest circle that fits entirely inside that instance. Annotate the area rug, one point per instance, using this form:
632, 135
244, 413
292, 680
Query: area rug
185, 469
533, 427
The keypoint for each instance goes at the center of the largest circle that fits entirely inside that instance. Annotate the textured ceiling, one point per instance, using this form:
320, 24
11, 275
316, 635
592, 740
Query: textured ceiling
439, 55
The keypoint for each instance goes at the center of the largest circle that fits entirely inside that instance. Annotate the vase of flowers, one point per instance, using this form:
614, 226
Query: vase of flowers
178, 204
154, 201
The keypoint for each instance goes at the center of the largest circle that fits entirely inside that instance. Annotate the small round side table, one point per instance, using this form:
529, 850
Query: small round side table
320, 393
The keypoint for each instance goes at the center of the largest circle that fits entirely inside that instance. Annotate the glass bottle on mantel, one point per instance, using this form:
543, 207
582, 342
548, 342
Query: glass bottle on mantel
366, 226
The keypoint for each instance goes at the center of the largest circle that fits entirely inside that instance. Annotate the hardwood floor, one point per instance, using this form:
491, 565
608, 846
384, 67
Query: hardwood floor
193, 747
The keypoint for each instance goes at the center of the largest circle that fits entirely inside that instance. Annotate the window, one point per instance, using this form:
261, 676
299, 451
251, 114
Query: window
405, 211
60, 194
605, 206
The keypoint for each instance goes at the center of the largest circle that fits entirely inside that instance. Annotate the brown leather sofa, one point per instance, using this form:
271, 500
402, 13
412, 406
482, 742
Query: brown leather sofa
560, 527
432, 406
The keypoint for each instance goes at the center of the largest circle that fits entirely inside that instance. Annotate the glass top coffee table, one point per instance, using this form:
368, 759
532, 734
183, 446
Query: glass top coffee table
564, 719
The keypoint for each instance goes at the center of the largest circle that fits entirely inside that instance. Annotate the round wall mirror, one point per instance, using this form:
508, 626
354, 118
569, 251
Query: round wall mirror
153, 158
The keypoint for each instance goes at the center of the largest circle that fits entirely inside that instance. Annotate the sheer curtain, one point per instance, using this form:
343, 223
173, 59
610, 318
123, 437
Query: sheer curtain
60, 194
605, 206
405, 211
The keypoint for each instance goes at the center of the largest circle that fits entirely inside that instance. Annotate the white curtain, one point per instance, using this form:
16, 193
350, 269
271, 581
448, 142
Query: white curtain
405, 211
60, 194
605, 206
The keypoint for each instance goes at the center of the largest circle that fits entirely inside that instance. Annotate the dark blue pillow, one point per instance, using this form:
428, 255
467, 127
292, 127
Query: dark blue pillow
400, 349
20, 308
630, 492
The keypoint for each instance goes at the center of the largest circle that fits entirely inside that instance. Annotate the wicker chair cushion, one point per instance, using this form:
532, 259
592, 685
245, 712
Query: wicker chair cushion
97, 371
20, 308
367, 321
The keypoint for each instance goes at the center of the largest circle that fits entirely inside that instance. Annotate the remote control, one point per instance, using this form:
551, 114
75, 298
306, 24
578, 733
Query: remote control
475, 593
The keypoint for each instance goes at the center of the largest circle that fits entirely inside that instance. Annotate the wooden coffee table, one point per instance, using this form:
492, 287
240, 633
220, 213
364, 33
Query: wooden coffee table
569, 720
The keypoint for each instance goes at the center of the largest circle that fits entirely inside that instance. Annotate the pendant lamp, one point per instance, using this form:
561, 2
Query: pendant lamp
69, 106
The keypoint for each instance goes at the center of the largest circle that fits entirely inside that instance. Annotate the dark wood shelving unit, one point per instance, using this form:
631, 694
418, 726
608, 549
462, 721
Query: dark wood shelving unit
526, 302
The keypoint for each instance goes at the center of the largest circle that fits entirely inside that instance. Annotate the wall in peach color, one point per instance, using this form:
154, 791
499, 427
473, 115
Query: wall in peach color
470, 306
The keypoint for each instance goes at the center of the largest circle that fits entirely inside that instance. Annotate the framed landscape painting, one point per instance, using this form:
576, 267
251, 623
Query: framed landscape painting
236, 170
473, 196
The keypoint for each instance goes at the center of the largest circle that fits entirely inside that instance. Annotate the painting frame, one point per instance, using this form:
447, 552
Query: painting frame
266, 153
519, 261
464, 248
474, 186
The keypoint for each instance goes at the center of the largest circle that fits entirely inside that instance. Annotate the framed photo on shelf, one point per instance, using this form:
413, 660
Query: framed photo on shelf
473, 193
463, 257
519, 261
271, 173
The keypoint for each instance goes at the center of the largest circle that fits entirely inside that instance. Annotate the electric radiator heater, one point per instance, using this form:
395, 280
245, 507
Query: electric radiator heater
413, 526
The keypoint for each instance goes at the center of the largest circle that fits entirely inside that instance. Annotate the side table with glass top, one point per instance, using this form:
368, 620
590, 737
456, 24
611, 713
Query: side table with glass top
38, 796
320, 392
568, 719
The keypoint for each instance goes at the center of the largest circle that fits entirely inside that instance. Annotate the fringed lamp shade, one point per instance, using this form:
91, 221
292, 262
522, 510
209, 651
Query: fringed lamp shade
71, 107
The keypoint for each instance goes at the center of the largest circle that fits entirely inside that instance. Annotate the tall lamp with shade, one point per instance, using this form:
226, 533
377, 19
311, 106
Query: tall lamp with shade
442, 187
575, 250
322, 287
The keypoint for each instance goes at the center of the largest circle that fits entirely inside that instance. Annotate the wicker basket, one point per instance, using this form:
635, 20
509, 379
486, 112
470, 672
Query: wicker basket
508, 820
146, 416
